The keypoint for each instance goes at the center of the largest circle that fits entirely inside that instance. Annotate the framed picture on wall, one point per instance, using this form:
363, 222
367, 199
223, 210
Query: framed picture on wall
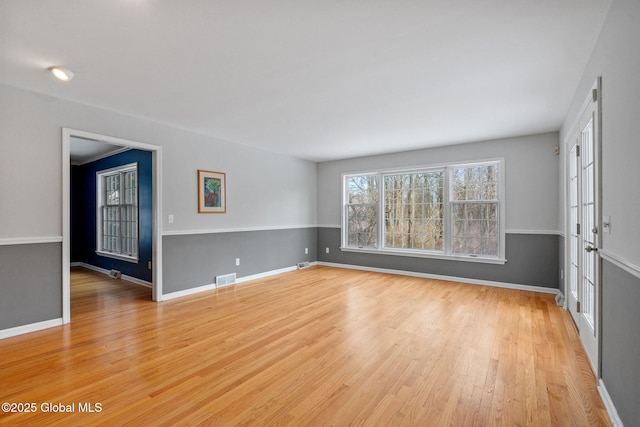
212, 193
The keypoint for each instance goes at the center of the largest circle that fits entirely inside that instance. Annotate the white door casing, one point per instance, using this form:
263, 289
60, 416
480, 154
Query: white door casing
66, 211
584, 195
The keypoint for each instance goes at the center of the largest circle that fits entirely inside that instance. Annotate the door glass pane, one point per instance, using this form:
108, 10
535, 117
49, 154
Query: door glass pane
573, 212
588, 223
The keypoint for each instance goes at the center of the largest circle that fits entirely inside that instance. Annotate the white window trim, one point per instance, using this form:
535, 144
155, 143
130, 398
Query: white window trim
99, 199
446, 253
415, 252
346, 204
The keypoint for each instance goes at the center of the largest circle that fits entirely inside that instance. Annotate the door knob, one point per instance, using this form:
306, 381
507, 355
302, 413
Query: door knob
591, 249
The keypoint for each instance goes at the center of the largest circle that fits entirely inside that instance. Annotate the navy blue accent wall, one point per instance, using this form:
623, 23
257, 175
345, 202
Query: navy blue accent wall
83, 213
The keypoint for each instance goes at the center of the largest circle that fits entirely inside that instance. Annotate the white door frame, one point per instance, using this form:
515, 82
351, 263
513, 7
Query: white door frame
156, 261
593, 101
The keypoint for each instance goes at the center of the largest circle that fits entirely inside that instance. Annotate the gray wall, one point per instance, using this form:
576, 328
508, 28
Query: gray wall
531, 187
616, 57
194, 260
532, 259
264, 190
30, 289
621, 341
531, 171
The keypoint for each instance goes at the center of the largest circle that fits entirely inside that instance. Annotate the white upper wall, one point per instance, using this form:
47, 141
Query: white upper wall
264, 190
531, 177
616, 58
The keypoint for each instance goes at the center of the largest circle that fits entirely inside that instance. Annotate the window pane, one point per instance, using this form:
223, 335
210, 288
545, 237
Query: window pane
112, 187
362, 224
362, 211
475, 229
130, 189
362, 189
119, 201
414, 210
475, 226
475, 182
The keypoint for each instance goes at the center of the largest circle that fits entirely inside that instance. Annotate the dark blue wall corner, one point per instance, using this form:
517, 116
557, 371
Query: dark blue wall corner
83, 213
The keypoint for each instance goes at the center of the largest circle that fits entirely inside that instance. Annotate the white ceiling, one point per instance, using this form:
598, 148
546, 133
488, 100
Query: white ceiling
84, 150
319, 80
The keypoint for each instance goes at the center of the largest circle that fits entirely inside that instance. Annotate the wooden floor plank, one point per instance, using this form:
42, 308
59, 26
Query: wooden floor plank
318, 346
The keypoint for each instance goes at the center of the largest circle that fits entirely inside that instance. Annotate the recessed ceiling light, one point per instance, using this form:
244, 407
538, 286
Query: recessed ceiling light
61, 73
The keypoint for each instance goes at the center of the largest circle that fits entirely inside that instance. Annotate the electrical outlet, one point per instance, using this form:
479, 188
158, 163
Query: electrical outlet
326, 250
561, 274
306, 251
170, 219
149, 265
237, 261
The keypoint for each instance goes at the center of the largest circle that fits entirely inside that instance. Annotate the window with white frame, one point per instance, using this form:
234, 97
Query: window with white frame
414, 210
452, 211
475, 209
117, 212
362, 211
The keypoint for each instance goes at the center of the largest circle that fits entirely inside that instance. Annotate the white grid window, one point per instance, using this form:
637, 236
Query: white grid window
414, 210
452, 211
475, 209
117, 209
362, 211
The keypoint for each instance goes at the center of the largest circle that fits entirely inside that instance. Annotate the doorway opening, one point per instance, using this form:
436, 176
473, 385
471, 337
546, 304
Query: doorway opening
140, 231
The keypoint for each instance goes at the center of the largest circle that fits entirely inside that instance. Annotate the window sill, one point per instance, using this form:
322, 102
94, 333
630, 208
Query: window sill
118, 256
420, 254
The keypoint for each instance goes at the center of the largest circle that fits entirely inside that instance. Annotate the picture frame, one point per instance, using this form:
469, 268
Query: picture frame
212, 192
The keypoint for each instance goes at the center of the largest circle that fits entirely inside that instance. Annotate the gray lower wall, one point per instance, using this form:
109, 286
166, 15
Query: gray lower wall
621, 341
532, 259
30, 283
194, 260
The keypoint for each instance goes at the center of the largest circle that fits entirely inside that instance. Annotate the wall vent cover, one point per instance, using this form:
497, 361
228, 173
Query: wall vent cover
225, 279
115, 274
304, 264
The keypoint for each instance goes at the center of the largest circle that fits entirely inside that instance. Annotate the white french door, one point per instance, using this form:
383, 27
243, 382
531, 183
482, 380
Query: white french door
584, 232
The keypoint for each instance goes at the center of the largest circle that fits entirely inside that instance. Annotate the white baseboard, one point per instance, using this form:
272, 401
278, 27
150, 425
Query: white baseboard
137, 281
608, 404
448, 278
125, 277
212, 286
190, 291
33, 327
270, 273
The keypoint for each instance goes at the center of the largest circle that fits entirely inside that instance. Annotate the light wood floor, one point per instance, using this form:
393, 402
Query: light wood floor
319, 346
